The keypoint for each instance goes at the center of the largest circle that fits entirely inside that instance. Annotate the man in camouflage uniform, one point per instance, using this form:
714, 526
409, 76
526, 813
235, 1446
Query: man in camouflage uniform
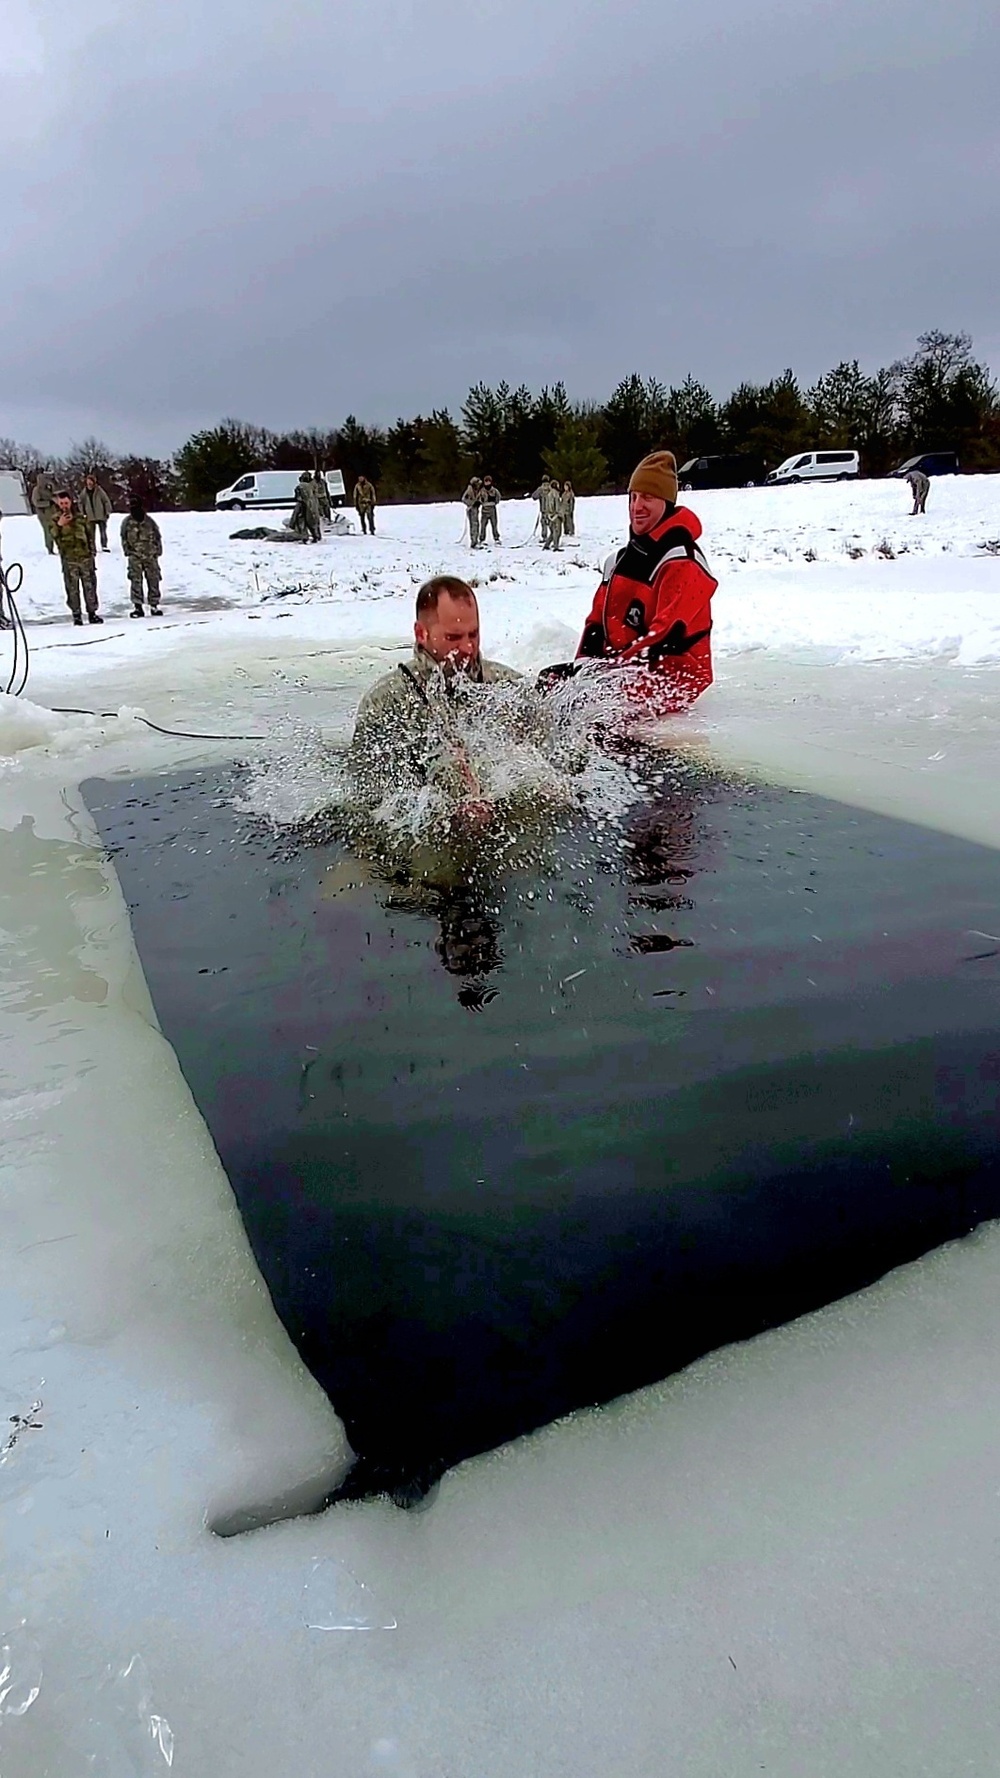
568, 509
96, 508
553, 506
542, 495
305, 519
323, 497
75, 543
364, 501
405, 734
488, 509
43, 500
473, 499
142, 546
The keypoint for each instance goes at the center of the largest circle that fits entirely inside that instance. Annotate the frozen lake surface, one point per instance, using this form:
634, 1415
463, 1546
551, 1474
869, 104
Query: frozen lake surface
780, 1558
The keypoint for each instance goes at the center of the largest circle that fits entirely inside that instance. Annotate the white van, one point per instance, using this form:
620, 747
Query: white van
273, 487
817, 466
14, 502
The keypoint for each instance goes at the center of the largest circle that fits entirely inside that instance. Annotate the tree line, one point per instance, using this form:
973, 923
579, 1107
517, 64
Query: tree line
939, 398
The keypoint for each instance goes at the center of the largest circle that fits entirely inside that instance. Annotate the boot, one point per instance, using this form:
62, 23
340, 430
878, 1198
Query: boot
137, 611
94, 617
77, 619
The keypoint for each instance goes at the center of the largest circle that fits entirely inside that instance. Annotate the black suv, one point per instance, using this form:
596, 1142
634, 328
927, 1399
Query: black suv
932, 463
722, 472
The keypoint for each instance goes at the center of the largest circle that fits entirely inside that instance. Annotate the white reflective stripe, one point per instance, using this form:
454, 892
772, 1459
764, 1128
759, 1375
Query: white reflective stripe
611, 563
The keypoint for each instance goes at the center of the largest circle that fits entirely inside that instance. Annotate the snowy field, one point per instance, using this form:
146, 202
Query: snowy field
783, 1560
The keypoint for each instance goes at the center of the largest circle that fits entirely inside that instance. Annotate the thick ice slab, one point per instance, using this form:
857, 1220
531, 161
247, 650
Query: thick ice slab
779, 1560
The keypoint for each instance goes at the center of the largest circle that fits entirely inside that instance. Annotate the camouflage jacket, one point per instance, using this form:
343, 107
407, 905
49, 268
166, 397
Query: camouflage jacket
141, 537
568, 503
43, 494
489, 496
74, 541
473, 497
551, 502
95, 504
364, 495
404, 731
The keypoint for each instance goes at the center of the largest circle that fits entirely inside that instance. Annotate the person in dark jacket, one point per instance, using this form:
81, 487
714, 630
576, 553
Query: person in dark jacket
652, 610
142, 546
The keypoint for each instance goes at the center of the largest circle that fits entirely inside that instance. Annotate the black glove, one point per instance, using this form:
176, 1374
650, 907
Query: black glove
593, 642
550, 676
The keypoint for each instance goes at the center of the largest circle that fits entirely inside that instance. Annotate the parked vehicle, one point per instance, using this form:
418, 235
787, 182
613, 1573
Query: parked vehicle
720, 471
273, 487
817, 466
932, 463
14, 502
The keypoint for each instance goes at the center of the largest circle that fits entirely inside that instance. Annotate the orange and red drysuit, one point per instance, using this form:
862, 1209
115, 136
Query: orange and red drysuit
652, 611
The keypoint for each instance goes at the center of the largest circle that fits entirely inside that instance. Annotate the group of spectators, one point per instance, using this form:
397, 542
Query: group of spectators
71, 524
556, 510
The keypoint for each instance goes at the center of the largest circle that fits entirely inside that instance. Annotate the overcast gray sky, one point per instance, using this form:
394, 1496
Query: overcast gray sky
291, 212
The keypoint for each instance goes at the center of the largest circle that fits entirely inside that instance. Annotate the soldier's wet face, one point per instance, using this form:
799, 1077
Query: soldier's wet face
450, 633
645, 512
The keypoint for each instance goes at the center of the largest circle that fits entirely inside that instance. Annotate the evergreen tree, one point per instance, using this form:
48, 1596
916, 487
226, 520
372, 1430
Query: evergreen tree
635, 421
692, 420
215, 458
360, 450
148, 479
768, 420
576, 456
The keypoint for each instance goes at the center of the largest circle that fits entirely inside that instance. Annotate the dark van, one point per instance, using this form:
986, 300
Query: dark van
722, 472
932, 463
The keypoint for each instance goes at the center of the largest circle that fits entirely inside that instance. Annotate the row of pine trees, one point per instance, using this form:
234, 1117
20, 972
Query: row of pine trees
940, 398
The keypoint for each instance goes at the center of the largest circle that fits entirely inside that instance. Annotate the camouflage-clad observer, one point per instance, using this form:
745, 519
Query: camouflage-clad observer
74, 541
142, 546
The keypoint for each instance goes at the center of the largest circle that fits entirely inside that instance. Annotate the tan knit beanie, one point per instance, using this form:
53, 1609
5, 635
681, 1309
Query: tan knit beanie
657, 475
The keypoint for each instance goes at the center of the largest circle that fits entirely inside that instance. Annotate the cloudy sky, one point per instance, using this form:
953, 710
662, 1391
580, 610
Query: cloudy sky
287, 212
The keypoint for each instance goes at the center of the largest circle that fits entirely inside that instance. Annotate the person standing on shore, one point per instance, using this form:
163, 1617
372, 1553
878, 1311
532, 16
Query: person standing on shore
75, 543
552, 506
364, 501
541, 494
43, 501
652, 610
96, 508
473, 500
488, 509
568, 509
142, 546
323, 497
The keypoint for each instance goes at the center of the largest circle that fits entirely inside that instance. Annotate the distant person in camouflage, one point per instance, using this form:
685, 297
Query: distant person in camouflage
472, 500
568, 509
323, 497
542, 495
142, 546
75, 543
920, 487
96, 508
488, 509
43, 501
364, 501
552, 507
305, 519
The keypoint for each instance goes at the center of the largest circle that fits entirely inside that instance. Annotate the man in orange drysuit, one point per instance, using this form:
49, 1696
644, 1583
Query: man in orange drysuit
652, 609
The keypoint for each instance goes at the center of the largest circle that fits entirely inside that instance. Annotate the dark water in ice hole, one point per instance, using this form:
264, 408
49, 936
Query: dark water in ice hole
496, 1167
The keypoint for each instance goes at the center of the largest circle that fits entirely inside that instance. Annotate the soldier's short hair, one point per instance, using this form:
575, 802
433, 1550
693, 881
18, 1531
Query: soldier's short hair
430, 592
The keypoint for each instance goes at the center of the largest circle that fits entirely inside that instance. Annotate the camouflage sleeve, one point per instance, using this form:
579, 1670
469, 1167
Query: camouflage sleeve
157, 537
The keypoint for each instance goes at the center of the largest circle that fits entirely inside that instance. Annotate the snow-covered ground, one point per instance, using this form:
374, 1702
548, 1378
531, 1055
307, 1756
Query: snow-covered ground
781, 1561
